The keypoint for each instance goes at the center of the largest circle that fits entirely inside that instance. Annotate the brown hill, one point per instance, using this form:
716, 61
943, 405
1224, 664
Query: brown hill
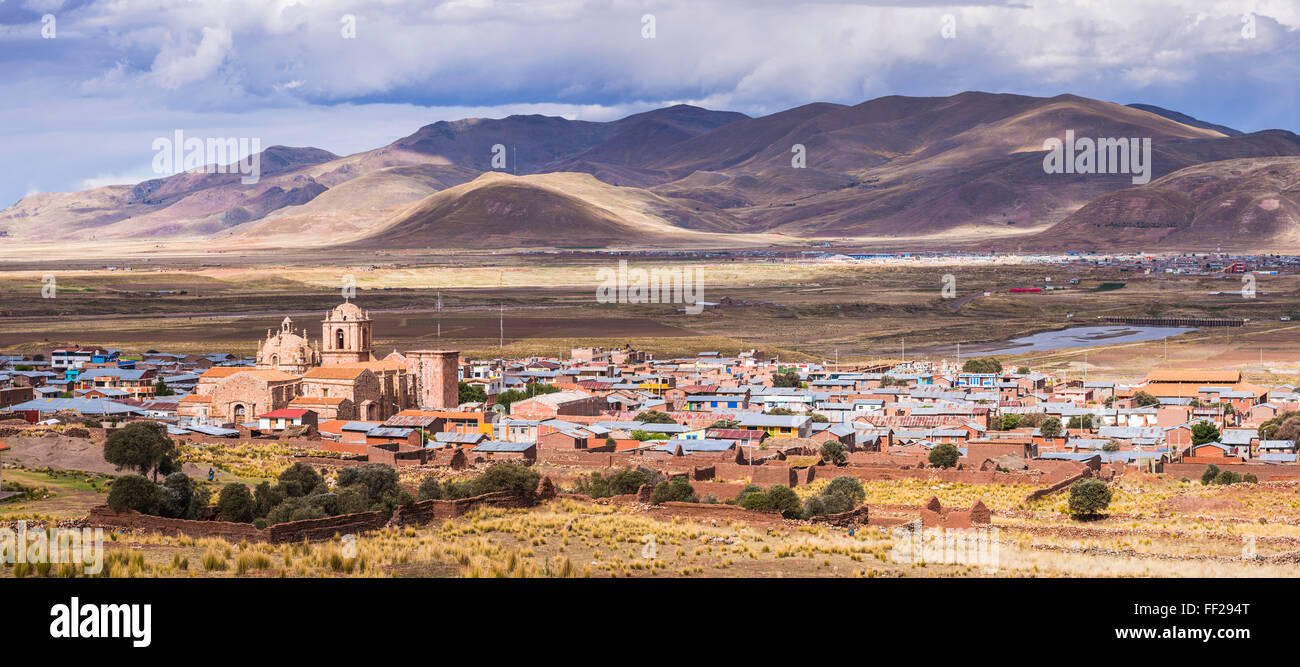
959, 168
1234, 204
499, 210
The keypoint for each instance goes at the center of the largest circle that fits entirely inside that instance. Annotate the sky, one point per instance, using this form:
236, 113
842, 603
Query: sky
86, 86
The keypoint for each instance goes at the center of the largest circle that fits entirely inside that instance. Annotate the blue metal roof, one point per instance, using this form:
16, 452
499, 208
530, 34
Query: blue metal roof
89, 406
701, 445
498, 446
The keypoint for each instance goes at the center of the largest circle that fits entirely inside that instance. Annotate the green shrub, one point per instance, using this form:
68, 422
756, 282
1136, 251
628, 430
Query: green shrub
944, 455
1250, 478
299, 480
379, 480
1227, 477
236, 503
594, 485
1211, 471
754, 501
982, 365
678, 490
783, 500
1089, 496
267, 497
628, 481
834, 452
134, 492
177, 498
430, 489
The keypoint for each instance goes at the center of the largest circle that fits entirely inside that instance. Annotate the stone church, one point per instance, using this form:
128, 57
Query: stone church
340, 379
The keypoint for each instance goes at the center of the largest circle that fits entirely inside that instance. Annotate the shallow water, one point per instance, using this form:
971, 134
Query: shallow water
1080, 337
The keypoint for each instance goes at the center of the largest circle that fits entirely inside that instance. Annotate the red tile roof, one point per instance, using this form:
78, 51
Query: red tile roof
284, 413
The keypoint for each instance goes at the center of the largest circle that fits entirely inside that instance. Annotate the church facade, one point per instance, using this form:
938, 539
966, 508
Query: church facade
340, 379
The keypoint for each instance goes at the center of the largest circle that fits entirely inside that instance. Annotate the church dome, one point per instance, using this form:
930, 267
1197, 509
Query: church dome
346, 311
286, 350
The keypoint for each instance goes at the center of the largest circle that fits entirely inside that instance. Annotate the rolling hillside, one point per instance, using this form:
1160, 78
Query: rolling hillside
965, 169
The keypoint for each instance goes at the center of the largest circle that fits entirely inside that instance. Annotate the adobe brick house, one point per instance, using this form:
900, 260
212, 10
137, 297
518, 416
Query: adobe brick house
551, 406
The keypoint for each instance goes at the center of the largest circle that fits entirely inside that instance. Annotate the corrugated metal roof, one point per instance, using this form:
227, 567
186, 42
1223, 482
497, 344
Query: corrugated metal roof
499, 446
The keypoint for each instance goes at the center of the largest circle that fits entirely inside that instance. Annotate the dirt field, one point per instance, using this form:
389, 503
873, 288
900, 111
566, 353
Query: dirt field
798, 311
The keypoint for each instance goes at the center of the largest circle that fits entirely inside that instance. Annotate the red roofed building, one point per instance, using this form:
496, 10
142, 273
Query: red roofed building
278, 420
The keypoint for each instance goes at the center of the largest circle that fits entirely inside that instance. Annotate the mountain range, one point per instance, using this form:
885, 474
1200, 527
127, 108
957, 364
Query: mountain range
965, 171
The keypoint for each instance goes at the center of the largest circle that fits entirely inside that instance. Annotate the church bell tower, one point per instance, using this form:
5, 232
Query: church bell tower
345, 336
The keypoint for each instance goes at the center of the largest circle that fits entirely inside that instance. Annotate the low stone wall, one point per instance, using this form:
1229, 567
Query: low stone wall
104, 516
853, 517
720, 490
432, 510
1053, 488
707, 512
326, 528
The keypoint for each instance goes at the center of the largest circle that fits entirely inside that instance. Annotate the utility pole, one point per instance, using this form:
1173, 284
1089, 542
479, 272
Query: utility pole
439, 318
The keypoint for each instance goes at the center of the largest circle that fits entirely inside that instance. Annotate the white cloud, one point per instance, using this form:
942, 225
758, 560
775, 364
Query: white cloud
140, 69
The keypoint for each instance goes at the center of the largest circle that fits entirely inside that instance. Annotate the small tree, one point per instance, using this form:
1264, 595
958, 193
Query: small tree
982, 365
1022, 370
1050, 428
725, 423
1203, 432
833, 452
160, 388
179, 499
944, 455
470, 393
783, 499
787, 379
144, 447
236, 503
299, 480
1143, 399
1110, 446
1089, 497
655, 417
1010, 422
850, 488
1211, 471
1250, 478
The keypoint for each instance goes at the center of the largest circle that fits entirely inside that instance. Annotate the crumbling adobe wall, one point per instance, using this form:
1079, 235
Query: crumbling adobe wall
322, 529
425, 511
720, 490
934, 515
710, 512
1053, 488
853, 517
104, 516
773, 474
873, 474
